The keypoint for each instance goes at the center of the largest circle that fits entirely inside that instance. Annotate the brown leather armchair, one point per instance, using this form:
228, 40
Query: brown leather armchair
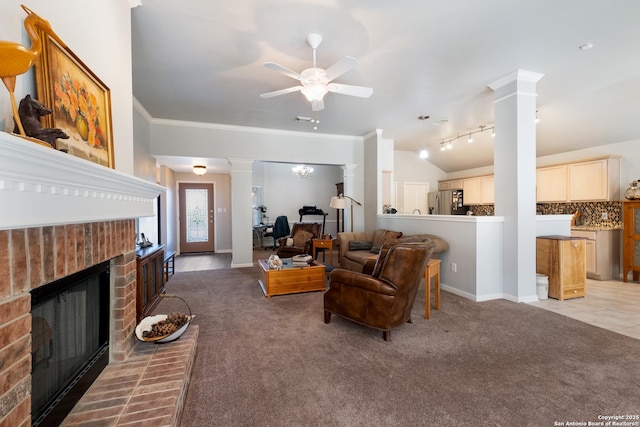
301, 235
384, 299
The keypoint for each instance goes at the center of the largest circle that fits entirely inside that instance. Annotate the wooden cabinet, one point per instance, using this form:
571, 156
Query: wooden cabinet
551, 184
594, 180
631, 240
563, 260
602, 248
488, 189
584, 181
478, 190
150, 279
453, 184
472, 188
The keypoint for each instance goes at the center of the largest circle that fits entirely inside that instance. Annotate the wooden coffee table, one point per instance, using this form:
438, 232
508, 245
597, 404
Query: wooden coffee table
290, 279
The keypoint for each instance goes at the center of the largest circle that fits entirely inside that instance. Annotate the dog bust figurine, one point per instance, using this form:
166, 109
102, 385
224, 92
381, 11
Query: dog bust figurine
30, 110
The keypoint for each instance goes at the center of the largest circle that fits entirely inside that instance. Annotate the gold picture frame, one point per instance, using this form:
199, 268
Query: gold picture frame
80, 101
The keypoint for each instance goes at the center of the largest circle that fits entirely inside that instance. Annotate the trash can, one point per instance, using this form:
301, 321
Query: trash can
542, 286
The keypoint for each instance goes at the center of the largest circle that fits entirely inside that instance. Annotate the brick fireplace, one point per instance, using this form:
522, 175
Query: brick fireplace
60, 215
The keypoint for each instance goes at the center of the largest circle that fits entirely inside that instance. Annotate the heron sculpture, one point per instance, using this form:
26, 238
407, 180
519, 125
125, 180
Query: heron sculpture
16, 59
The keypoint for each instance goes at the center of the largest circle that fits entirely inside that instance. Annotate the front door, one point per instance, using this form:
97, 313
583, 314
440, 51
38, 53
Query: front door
196, 217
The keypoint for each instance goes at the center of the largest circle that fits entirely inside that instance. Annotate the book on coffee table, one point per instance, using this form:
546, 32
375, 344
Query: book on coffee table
301, 260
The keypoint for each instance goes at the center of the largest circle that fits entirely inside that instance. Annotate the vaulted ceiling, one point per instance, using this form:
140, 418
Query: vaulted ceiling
203, 61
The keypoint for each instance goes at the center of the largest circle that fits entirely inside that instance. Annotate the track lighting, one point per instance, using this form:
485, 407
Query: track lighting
447, 144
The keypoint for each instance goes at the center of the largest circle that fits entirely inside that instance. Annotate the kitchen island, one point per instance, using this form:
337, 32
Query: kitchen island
473, 265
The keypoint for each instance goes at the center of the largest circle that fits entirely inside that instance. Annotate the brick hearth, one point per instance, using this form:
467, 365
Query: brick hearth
151, 379
148, 389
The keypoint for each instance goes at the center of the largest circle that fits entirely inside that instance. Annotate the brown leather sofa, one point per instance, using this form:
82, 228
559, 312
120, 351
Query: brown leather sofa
384, 299
300, 239
353, 256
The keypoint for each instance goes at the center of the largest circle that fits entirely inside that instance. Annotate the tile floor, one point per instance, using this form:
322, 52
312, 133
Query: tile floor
608, 304
612, 305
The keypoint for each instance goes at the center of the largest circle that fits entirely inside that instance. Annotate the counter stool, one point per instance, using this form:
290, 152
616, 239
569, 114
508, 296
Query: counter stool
431, 270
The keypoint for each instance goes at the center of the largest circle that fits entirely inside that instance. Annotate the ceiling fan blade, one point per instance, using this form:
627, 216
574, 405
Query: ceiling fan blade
280, 92
284, 70
339, 68
361, 91
317, 105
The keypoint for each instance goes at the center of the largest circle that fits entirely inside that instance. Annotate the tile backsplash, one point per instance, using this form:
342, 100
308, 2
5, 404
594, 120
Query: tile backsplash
591, 213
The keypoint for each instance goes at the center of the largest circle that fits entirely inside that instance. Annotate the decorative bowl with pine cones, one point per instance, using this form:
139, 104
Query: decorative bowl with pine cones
162, 328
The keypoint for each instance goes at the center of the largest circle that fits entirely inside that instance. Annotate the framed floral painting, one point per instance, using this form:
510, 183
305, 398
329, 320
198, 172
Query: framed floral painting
81, 103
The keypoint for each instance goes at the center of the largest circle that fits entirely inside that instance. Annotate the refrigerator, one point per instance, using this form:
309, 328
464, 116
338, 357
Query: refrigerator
447, 202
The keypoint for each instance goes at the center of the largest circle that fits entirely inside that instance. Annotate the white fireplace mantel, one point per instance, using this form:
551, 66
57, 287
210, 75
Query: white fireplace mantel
40, 186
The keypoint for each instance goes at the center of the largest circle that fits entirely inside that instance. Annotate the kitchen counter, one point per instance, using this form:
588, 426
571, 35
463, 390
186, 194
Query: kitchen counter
596, 228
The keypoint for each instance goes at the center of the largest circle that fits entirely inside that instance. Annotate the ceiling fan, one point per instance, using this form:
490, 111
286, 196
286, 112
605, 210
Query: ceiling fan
316, 82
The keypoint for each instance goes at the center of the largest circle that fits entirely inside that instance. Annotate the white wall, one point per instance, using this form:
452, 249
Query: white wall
284, 193
102, 40
409, 167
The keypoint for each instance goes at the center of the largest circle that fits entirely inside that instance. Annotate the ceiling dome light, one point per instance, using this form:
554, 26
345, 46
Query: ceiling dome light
199, 169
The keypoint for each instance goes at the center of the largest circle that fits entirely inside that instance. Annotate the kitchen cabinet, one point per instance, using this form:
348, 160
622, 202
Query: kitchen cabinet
150, 279
602, 249
585, 181
563, 259
594, 180
488, 189
478, 190
472, 188
631, 240
452, 184
551, 184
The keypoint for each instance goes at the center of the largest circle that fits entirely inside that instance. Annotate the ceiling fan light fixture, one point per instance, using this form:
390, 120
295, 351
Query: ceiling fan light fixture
199, 169
314, 91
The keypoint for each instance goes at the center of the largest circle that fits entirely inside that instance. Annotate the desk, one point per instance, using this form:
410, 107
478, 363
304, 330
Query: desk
431, 270
258, 231
325, 244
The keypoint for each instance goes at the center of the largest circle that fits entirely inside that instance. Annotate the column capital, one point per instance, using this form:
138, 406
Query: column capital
517, 75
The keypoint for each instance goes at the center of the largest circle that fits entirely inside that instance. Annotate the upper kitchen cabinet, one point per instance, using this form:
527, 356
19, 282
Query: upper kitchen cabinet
478, 190
585, 181
453, 184
551, 184
488, 189
595, 180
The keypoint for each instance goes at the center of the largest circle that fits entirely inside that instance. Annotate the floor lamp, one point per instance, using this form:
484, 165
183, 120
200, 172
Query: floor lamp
340, 202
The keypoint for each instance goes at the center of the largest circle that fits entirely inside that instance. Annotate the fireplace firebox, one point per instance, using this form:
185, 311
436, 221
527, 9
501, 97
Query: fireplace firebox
70, 340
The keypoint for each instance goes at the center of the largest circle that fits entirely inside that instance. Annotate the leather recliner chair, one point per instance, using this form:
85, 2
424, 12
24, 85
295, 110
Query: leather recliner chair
301, 234
384, 299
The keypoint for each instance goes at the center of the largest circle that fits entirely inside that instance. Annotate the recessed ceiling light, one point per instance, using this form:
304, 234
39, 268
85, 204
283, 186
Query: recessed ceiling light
586, 46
